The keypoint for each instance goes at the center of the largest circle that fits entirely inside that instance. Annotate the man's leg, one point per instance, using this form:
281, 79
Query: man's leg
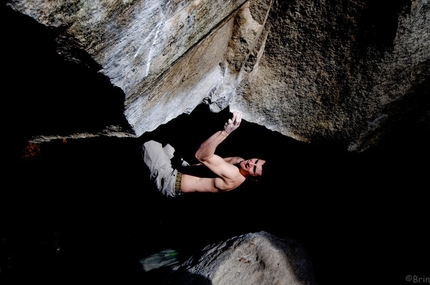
169, 150
157, 159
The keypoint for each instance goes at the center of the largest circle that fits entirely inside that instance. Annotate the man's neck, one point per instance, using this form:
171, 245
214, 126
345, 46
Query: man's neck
243, 172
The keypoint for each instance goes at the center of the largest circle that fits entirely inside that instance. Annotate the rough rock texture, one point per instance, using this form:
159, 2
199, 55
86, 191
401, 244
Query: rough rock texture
254, 258
342, 72
328, 73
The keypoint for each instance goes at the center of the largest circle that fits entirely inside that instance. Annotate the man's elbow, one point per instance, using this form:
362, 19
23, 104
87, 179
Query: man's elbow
200, 156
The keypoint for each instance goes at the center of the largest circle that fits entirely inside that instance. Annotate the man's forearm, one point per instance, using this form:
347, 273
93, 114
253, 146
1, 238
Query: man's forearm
208, 147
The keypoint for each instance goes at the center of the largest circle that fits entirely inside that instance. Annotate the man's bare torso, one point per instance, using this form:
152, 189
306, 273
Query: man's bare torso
190, 183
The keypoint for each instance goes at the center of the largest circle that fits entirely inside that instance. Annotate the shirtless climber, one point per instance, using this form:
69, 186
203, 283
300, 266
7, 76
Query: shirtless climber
228, 173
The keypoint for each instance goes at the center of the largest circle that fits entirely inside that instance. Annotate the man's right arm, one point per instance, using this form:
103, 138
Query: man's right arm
233, 160
206, 152
208, 147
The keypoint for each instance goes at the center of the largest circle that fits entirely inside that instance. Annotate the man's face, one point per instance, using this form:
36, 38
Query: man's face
253, 166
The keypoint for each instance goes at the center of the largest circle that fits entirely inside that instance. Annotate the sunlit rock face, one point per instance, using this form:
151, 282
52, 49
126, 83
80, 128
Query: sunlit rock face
317, 71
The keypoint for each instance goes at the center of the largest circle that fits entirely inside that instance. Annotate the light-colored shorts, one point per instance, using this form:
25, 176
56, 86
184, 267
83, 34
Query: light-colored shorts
157, 158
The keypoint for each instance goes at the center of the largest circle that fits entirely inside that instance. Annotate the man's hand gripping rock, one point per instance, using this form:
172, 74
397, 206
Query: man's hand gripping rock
233, 123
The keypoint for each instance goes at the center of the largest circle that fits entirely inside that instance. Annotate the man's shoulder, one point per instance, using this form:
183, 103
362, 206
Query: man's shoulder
233, 159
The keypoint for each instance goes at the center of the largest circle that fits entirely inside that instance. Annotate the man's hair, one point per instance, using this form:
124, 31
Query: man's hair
265, 171
265, 168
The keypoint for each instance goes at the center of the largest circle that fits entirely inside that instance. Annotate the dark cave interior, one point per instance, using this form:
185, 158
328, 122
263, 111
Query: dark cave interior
84, 209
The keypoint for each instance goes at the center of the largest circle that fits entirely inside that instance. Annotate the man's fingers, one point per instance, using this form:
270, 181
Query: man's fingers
237, 116
235, 120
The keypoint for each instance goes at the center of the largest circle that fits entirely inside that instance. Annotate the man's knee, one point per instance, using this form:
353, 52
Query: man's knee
169, 151
151, 145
